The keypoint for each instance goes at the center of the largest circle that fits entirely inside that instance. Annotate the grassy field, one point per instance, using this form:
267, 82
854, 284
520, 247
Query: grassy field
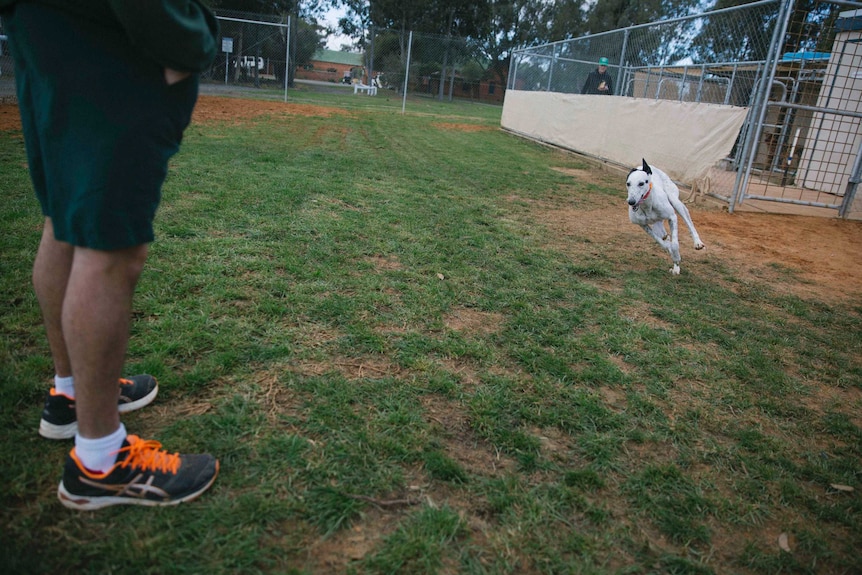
403, 369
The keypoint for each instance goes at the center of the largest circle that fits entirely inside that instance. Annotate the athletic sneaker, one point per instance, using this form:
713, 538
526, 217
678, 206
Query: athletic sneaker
144, 474
58, 416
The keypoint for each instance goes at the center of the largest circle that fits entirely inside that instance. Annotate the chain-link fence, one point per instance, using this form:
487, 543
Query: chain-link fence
7, 69
405, 63
445, 68
713, 57
796, 66
253, 50
261, 51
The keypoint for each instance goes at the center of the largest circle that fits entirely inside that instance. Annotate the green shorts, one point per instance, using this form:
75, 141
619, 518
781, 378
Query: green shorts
100, 125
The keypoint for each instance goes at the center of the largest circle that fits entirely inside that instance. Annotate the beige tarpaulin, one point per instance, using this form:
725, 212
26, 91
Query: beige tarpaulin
685, 139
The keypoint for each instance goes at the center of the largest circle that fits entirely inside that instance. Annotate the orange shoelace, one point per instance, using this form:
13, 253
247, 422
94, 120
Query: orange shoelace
148, 455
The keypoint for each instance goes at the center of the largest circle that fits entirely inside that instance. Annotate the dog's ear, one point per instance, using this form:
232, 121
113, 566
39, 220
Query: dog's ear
646, 167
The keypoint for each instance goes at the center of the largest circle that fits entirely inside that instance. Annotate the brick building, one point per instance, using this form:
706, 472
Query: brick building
332, 66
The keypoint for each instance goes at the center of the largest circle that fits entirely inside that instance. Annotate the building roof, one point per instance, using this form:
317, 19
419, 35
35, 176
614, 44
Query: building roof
338, 57
791, 56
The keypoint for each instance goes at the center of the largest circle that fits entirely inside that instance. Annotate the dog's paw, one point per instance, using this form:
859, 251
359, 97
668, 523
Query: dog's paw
699, 246
675, 270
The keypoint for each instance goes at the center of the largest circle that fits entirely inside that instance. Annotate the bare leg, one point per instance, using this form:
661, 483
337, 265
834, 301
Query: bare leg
50, 276
95, 322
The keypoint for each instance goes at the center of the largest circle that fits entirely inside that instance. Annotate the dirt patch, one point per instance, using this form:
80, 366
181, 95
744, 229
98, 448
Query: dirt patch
473, 321
461, 127
10, 119
332, 554
211, 109
231, 110
822, 253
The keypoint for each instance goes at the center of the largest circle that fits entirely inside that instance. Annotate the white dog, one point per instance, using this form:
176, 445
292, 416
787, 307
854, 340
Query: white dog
654, 198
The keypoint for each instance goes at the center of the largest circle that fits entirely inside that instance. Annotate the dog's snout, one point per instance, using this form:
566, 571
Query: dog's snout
632, 201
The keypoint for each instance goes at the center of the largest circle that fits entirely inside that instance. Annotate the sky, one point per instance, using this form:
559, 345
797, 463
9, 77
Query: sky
331, 19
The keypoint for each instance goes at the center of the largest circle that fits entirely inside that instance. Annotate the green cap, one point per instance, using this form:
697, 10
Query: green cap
603, 61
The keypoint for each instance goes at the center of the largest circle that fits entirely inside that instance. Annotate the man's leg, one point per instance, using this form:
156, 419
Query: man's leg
95, 322
108, 467
86, 295
50, 277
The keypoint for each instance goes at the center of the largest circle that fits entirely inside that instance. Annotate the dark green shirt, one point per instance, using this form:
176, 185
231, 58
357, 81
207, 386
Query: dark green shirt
178, 34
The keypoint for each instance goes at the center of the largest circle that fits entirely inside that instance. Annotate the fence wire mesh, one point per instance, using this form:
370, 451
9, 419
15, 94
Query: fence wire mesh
445, 68
261, 51
253, 50
712, 57
255, 54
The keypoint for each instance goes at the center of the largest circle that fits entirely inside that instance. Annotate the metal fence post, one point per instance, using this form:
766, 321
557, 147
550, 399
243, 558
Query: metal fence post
761, 103
852, 185
623, 59
371, 57
407, 72
286, 57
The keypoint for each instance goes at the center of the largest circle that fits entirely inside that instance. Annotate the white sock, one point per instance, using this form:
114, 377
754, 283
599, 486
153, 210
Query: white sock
100, 454
65, 385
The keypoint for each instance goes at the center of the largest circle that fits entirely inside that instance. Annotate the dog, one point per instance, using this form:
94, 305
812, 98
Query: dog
654, 198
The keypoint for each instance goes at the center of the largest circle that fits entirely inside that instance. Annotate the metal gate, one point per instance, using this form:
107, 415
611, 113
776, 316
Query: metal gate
803, 144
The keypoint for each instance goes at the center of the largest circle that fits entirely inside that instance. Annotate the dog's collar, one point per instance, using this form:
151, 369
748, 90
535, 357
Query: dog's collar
643, 197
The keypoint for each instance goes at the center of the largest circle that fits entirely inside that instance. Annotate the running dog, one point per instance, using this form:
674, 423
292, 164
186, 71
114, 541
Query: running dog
654, 198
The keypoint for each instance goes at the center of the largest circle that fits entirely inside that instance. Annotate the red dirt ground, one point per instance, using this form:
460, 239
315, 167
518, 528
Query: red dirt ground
822, 252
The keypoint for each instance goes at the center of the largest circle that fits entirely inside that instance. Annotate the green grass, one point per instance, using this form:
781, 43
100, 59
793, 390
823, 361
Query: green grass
403, 369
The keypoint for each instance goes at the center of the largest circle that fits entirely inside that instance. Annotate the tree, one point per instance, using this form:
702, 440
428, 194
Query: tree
308, 40
461, 20
513, 25
453, 20
735, 39
564, 19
